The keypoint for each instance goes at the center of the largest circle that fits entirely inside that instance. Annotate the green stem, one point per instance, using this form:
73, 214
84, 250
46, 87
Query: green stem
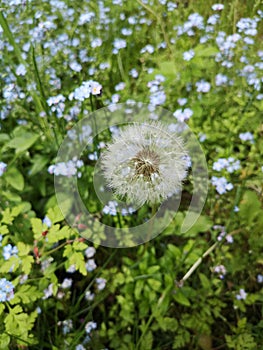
38, 103
153, 315
120, 65
159, 22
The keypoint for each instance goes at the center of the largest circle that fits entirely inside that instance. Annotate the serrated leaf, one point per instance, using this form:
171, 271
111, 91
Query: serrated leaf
56, 234
3, 230
27, 264
147, 341
4, 341
7, 216
23, 249
18, 323
77, 245
26, 294
10, 265
77, 259
168, 324
55, 214
37, 227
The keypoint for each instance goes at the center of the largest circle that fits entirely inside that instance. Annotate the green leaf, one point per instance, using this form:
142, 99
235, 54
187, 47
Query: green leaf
27, 264
153, 269
18, 324
168, 68
208, 51
26, 294
15, 178
2, 307
155, 284
168, 324
75, 258
147, 341
22, 142
202, 224
23, 249
175, 251
39, 162
181, 298
55, 214
205, 281
4, 341
138, 289
249, 207
11, 264
7, 217
3, 230
37, 227
56, 234
11, 196
4, 138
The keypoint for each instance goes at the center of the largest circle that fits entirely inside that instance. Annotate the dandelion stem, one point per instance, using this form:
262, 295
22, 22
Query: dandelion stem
197, 263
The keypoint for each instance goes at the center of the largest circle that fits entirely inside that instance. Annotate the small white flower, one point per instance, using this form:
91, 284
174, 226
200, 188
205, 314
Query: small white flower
90, 252
90, 265
188, 55
145, 163
89, 296
90, 326
67, 283
101, 283
242, 294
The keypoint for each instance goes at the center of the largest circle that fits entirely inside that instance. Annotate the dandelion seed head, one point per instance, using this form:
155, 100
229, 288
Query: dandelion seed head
145, 163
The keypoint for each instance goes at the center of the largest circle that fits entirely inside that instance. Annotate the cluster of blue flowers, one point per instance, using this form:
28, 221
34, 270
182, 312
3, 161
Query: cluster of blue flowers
86, 89
221, 184
68, 169
230, 164
157, 94
9, 251
111, 208
6, 290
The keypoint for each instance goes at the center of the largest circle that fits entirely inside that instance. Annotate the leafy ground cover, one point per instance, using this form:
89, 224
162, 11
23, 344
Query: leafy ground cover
61, 61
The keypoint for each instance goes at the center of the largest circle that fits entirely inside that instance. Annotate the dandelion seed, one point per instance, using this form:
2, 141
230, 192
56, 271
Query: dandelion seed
145, 163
